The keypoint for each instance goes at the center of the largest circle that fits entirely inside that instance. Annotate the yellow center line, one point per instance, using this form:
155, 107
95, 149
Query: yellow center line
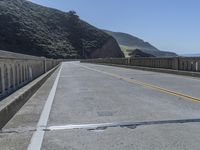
147, 85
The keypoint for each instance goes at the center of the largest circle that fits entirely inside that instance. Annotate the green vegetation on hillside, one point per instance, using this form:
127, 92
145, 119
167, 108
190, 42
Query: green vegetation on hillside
36, 30
126, 50
139, 53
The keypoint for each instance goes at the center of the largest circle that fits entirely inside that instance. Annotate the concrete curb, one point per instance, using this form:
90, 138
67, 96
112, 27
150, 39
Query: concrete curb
169, 71
12, 104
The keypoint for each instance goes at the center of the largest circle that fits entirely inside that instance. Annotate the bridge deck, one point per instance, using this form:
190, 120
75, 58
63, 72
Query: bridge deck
95, 107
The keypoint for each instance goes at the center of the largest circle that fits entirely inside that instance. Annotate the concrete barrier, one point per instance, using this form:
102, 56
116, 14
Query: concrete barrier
11, 104
16, 72
184, 64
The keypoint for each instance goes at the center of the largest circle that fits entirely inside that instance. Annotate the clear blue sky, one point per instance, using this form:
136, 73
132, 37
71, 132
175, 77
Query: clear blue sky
172, 25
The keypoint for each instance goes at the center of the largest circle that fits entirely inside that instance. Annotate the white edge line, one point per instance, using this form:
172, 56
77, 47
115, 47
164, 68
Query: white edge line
38, 135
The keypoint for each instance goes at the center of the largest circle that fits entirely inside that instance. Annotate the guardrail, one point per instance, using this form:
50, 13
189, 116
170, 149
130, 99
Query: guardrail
174, 63
16, 72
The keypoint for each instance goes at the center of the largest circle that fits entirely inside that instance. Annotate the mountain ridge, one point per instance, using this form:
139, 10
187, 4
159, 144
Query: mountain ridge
129, 43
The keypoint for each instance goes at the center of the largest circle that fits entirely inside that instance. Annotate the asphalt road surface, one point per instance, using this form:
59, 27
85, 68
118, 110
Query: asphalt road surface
94, 107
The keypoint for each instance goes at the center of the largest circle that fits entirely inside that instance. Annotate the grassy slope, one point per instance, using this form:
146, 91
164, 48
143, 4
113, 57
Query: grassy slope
125, 50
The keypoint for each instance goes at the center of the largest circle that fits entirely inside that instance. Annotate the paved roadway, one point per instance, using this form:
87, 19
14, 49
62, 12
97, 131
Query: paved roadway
94, 107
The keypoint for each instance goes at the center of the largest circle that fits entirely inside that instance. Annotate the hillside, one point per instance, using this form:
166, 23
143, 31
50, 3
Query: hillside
139, 53
129, 43
32, 29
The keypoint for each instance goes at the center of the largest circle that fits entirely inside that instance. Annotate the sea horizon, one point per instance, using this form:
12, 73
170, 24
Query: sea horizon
189, 55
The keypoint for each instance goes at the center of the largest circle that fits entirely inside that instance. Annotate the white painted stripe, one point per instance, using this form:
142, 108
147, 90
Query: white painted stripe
37, 138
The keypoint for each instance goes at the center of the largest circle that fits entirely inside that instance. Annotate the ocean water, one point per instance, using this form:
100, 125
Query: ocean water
190, 55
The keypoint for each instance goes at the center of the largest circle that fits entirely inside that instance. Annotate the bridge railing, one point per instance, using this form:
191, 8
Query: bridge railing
16, 72
175, 63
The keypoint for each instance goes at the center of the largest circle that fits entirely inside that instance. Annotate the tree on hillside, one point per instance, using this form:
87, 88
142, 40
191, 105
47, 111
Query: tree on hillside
72, 14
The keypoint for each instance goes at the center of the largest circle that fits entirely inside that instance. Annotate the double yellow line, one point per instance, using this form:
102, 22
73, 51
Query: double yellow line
163, 90
147, 85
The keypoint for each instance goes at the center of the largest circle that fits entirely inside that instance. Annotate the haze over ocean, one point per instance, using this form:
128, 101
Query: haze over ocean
169, 25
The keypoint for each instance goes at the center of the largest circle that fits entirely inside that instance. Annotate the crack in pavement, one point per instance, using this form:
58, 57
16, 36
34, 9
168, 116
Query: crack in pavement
17, 130
122, 124
100, 126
